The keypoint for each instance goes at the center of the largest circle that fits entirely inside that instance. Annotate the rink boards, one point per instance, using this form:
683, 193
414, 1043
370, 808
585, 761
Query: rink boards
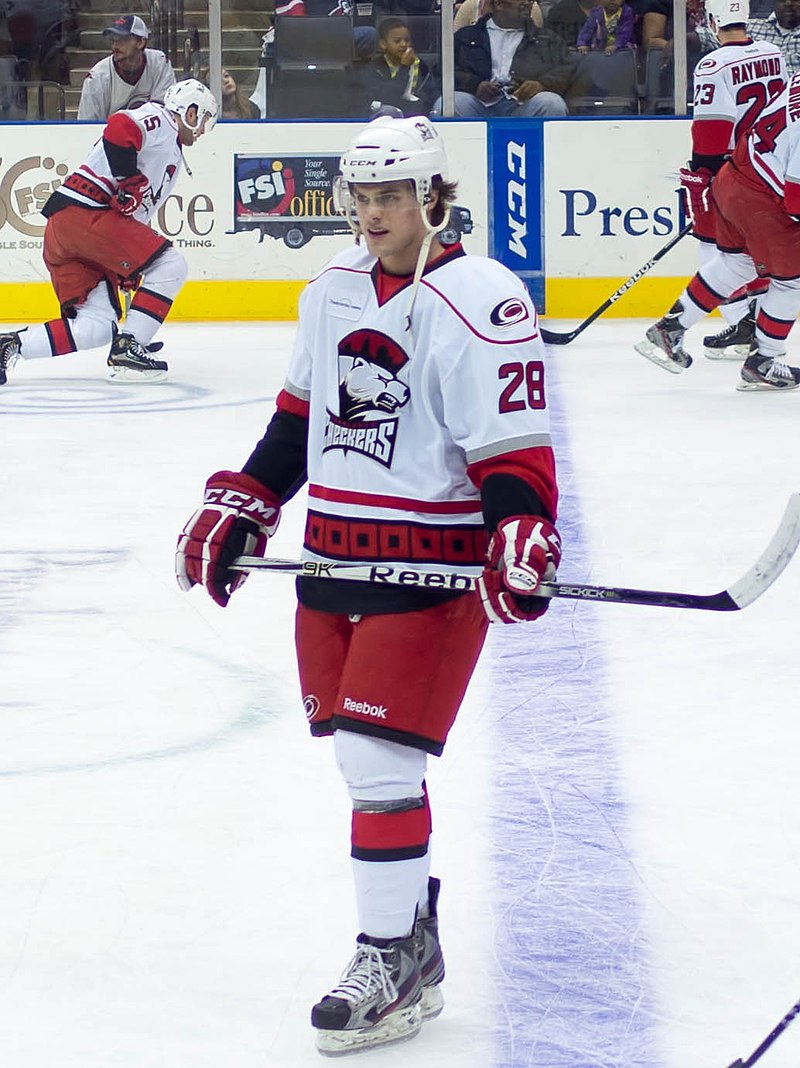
574, 207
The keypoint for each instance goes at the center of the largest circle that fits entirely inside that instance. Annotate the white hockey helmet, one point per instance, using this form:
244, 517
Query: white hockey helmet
180, 97
722, 13
396, 150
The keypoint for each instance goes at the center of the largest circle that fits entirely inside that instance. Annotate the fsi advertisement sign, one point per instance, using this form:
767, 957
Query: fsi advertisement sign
515, 200
611, 190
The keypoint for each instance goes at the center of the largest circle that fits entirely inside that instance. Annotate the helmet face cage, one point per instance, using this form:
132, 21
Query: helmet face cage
727, 12
391, 150
182, 95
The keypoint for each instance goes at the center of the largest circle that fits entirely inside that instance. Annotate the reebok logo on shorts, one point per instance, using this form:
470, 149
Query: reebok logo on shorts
364, 708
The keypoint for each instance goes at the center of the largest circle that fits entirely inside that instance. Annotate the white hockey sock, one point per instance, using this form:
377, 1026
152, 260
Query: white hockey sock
151, 304
387, 895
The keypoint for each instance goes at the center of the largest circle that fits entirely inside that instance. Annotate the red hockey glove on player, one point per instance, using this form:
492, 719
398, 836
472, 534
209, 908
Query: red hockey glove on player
696, 186
524, 551
237, 518
130, 192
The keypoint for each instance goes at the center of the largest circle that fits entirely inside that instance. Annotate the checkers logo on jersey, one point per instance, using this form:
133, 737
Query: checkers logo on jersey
508, 312
369, 394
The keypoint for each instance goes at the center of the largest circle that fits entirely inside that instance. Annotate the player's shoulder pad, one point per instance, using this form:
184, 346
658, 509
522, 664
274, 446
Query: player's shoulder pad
487, 297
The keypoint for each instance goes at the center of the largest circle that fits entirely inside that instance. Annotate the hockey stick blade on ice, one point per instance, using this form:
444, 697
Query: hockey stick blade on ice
551, 338
758, 1053
740, 594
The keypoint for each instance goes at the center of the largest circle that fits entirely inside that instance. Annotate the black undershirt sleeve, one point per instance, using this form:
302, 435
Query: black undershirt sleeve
122, 161
503, 495
279, 461
710, 163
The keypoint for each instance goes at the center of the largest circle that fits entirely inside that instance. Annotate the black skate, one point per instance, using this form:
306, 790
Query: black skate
663, 342
735, 341
377, 1001
767, 374
429, 955
9, 354
128, 361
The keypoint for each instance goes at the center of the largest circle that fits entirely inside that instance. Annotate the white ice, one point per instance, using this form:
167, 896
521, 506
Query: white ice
174, 875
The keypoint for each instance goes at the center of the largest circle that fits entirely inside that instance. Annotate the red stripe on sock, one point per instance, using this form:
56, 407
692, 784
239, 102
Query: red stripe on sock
391, 830
152, 304
60, 335
703, 295
774, 328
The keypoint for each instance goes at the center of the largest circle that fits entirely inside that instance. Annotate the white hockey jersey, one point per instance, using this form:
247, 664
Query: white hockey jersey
396, 417
732, 85
159, 159
104, 92
773, 147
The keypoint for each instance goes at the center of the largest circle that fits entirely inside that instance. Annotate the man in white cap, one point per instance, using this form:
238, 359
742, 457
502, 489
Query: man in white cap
128, 77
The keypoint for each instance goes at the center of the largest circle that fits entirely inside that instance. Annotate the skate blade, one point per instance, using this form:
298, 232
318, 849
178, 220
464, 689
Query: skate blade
432, 1002
658, 356
735, 352
127, 374
396, 1027
743, 386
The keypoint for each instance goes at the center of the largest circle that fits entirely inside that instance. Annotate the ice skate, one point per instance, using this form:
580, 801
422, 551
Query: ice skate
663, 342
377, 1001
128, 361
767, 373
735, 341
429, 955
9, 354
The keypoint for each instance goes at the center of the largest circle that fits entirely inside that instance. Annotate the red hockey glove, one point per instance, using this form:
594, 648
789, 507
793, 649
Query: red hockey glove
130, 192
237, 518
696, 187
524, 551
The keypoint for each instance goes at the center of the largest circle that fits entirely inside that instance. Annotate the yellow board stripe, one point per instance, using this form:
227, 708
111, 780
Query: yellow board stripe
221, 301
276, 301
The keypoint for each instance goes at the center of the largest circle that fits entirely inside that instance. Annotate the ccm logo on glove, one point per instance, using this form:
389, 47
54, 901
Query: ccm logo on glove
237, 518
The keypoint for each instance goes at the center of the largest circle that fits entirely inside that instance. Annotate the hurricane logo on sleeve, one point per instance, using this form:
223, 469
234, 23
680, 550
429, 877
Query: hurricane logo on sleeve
370, 393
311, 705
508, 312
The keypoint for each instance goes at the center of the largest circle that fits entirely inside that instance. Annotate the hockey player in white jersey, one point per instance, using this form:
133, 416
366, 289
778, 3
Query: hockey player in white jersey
415, 407
732, 86
97, 239
757, 201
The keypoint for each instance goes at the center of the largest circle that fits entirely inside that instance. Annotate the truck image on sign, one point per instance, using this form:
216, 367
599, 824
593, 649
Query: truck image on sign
291, 197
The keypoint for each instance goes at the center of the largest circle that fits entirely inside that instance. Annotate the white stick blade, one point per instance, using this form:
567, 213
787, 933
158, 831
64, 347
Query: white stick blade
773, 560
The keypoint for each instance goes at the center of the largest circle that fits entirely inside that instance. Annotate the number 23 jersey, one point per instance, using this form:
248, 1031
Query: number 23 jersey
404, 424
732, 85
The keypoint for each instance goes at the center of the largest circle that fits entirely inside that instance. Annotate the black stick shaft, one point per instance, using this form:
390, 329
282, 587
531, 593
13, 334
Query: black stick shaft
551, 338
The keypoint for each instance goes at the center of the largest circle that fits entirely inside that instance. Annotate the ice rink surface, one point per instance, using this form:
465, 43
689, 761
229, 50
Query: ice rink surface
616, 816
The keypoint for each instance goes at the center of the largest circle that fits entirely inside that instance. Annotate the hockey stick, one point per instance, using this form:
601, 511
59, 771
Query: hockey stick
738, 595
550, 338
758, 1053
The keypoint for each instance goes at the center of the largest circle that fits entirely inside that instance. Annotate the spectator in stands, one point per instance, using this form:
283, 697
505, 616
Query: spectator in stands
365, 37
132, 74
470, 11
657, 30
397, 76
566, 19
235, 104
505, 66
608, 28
782, 28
